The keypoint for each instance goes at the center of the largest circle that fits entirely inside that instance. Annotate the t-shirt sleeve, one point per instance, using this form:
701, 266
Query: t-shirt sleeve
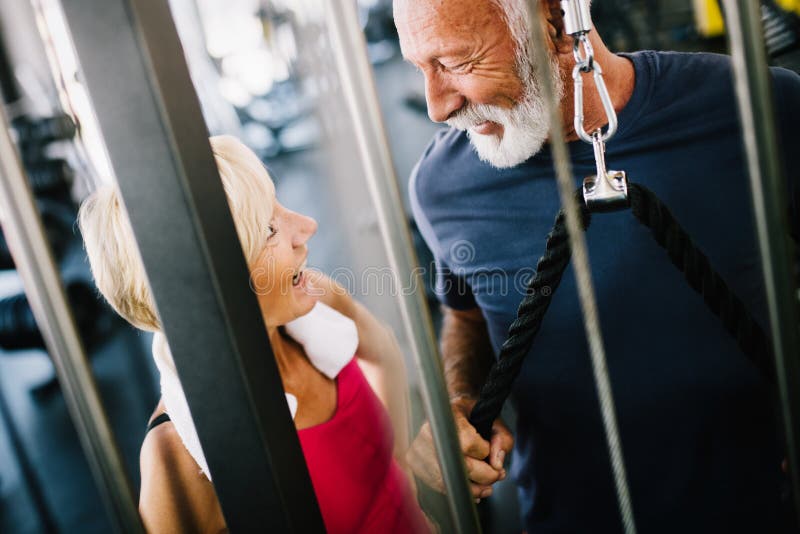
787, 108
451, 288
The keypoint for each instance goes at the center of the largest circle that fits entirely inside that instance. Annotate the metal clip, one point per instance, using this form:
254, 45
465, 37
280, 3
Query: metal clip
607, 190
577, 18
605, 98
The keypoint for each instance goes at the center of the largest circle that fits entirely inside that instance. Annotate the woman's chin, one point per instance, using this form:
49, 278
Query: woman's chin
305, 298
298, 308
307, 304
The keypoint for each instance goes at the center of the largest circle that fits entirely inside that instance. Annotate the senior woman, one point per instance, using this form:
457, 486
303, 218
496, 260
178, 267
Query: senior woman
344, 428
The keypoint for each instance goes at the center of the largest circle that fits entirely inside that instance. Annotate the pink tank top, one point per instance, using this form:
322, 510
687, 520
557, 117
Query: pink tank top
359, 486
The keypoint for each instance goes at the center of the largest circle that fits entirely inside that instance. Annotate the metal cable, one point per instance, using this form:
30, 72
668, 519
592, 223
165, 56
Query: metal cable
757, 113
538, 45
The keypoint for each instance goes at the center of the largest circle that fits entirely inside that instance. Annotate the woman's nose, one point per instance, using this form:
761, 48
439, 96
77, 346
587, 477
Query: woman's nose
305, 227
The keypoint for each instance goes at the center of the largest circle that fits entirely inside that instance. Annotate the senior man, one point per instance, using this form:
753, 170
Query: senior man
702, 448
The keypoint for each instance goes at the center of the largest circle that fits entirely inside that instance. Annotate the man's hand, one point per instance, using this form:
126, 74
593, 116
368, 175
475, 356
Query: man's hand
477, 452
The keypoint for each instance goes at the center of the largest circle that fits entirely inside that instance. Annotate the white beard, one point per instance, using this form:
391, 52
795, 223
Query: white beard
525, 126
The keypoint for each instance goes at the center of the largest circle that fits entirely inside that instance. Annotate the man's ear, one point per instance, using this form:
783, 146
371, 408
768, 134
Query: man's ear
550, 11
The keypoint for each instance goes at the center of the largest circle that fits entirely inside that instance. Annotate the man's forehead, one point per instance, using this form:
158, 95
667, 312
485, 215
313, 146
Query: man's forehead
442, 25
464, 14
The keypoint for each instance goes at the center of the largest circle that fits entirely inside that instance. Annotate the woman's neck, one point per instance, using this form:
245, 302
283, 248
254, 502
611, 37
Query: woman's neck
289, 355
315, 392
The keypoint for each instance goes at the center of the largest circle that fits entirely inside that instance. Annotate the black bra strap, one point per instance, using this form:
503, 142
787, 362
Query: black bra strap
163, 418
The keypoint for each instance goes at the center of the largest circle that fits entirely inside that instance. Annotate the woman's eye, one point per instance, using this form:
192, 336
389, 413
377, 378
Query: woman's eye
272, 231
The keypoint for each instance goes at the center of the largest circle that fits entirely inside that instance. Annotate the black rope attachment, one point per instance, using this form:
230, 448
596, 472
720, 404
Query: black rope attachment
695, 266
523, 330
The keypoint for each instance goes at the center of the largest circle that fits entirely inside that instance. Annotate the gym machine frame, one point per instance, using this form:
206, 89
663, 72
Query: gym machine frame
349, 49
45, 291
768, 185
157, 141
137, 47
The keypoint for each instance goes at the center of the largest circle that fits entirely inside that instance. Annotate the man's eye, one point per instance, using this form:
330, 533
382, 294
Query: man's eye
460, 68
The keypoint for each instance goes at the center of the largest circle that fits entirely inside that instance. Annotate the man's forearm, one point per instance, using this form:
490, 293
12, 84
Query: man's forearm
466, 352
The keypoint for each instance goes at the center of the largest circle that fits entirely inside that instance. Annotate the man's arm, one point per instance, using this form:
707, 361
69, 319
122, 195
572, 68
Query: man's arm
467, 356
466, 352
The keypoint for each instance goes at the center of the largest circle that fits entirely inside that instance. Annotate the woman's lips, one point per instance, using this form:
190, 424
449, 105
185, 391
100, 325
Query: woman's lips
297, 279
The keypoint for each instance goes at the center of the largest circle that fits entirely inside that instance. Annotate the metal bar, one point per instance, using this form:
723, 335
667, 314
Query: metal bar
29, 475
768, 186
144, 100
580, 263
8, 84
355, 73
35, 265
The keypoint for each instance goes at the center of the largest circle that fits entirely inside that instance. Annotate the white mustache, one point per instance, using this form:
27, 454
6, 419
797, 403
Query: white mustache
472, 115
525, 125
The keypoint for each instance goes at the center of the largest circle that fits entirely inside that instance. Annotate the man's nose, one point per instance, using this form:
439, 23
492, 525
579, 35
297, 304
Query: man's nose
443, 99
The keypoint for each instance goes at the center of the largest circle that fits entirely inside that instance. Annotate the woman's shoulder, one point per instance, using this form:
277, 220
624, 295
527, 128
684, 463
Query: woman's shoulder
175, 495
163, 447
163, 451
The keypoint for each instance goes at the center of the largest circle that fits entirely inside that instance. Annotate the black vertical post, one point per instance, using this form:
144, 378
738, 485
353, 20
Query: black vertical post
150, 117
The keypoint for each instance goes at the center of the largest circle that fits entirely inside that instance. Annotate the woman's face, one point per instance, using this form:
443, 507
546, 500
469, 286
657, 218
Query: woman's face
284, 290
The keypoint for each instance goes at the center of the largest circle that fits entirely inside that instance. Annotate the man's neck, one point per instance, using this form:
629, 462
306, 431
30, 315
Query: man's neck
619, 77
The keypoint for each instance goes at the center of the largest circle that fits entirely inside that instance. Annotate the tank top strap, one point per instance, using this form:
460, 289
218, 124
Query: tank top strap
349, 380
161, 419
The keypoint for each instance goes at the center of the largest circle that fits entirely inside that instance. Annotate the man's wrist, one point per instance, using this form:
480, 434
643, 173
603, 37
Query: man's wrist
465, 401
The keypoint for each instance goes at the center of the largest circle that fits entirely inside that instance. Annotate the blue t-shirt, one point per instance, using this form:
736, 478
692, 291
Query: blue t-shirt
702, 449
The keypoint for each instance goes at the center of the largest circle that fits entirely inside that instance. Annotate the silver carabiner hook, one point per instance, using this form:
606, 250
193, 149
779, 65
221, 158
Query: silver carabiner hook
607, 190
589, 64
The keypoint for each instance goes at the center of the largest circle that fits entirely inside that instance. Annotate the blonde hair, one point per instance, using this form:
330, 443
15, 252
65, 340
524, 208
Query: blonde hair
114, 256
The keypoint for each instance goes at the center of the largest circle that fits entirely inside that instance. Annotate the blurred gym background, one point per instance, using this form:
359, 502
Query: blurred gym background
261, 73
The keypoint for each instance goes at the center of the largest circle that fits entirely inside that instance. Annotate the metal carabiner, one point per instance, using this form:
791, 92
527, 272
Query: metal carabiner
607, 190
586, 61
605, 98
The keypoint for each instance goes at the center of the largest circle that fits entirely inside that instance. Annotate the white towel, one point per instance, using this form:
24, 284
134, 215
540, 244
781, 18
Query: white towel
329, 338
